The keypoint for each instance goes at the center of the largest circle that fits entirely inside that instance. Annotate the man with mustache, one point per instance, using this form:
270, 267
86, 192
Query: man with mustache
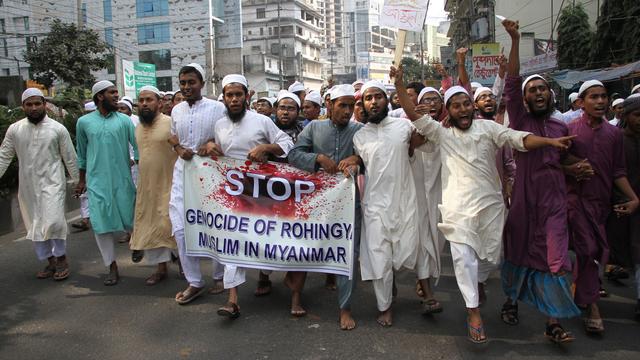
264, 106
242, 134
44, 148
192, 125
328, 145
590, 200
152, 225
473, 211
103, 139
287, 109
536, 239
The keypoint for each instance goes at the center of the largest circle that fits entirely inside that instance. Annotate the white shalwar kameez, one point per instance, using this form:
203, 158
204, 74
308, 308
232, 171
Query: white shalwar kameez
237, 139
43, 150
390, 215
473, 210
193, 125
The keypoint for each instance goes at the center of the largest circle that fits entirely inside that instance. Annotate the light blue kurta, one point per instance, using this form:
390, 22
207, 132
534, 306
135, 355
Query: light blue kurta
103, 152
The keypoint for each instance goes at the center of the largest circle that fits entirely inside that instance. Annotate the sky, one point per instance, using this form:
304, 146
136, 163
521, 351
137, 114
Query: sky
436, 12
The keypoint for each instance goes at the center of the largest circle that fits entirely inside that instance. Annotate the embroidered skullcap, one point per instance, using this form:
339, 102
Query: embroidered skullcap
373, 84
234, 78
454, 90
284, 94
31, 92
100, 86
342, 90
151, 88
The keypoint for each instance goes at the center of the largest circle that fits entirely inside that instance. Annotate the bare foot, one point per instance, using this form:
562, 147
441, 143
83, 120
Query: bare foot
385, 318
217, 288
330, 282
346, 321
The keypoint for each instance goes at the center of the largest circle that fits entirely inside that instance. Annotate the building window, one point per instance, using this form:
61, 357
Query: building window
261, 31
164, 83
160, 58
300, 31
111, 64
260, 13
146, 8
106, 6
3, 29
256, 48
108, 36
22, 20
6, 72
83, 10
153, 33
24, 2
270, 31
5, 50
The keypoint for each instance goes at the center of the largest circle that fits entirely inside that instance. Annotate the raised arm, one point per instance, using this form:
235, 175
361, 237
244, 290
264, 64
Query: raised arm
461, 56
513, 67
401, 91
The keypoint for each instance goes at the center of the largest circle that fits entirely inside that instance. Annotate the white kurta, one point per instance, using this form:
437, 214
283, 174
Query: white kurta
237, 139
194, 126
473, 210
41, 151
390, 218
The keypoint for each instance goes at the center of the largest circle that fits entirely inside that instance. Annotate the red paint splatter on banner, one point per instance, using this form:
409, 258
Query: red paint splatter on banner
264, 204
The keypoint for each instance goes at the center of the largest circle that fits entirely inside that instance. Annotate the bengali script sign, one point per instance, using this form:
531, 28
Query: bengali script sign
268, 216
404, 14
540, 63
485, 63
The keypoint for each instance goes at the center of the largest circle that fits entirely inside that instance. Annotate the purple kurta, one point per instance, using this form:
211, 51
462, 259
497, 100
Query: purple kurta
590, 200
536, 233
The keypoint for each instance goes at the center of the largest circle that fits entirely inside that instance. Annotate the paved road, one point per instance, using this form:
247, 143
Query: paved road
82, 319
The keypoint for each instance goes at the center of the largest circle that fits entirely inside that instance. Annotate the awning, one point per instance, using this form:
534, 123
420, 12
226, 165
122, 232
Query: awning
568, 79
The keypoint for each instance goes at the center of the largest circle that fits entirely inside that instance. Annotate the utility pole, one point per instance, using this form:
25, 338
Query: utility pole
422, 56
552, 22
280, 47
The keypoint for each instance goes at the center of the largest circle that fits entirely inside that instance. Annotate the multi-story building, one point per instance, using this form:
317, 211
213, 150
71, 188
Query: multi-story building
282, 42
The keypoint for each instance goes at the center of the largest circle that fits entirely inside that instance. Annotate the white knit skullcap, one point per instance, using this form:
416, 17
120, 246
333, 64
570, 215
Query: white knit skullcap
125, 103
99, 86
426, 90
481, 90
90, 106
314, 97
270, 100
454, 90
573, 97
475, 84
295, 87
373, 84
587, 85
342, 90
198, 68
284, 94
635, 88
617, 102
357, 82
31, 92
151, 88
234, 78
533, 77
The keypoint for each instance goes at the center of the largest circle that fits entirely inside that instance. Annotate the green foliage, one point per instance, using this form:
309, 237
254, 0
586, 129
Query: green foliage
411, 70
616, 39
574, 37
10, 178
631, 31
68, 54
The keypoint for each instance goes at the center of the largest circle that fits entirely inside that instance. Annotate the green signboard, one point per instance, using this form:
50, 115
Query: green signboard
136, 75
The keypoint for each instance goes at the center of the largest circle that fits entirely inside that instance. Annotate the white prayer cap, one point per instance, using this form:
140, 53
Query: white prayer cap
296, 86
151, 88
270, 100
357, 82
162, 93
169, 93
532, 77
235, 78
480, 90
314, 97
31, 92
587, 85
198, 69
342, 90
90, 106
475, 84
328, 92
454, 90
284, 94
126, 103
617, 102
220, 97
428, 89
99, 86
635, 88
573, 97
373, 84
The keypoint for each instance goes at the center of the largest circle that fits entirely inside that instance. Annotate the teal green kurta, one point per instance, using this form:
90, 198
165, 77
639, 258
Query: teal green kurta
103, 152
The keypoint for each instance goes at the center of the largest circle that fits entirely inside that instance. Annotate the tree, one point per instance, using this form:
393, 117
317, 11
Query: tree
411, 70
631, 31
608, 42
574, 37
68, 53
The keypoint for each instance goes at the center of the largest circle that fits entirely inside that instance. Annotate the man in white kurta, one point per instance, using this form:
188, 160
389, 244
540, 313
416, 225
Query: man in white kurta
243, 134
192, 124
390, 217
43, 147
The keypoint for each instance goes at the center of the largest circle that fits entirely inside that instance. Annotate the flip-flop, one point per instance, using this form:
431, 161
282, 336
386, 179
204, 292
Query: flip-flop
62, 272
48, 272
431, 306
556, 333
137, 255
111, 279
593, 326
194, 295
155, 278
478, 330
234, 314
509, 314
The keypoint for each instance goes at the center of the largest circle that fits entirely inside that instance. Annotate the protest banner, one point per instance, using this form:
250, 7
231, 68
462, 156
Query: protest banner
485, 63
405, 15
269, 216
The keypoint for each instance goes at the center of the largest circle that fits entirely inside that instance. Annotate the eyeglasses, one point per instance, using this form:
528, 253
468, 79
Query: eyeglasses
287, 108
431, 100
487, 97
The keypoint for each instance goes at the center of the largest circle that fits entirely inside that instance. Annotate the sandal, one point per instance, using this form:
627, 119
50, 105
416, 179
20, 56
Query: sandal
509, 314
47, 272
112, 278
264, 288
593, 326
616, 272
155, 278
81, 225
556, 333
431, 306
188, 295
137, 255
62, 271
233, 314
217, 288
479, 331
603, 293
298, 313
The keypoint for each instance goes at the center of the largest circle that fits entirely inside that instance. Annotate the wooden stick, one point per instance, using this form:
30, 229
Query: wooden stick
400, 40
